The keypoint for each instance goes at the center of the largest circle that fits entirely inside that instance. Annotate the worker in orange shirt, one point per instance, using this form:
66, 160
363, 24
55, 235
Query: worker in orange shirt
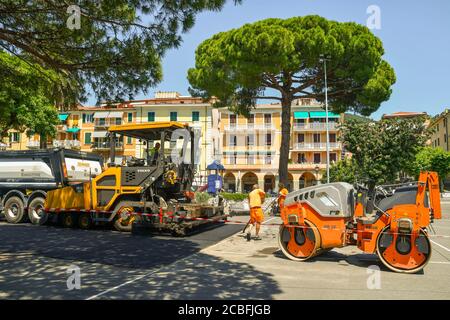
282, 193
255, 200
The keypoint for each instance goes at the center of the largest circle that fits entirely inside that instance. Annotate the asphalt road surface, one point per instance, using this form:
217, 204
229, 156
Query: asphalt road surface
34, 260
214, 264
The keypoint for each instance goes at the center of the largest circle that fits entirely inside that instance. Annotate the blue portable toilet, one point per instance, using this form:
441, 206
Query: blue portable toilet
215, 180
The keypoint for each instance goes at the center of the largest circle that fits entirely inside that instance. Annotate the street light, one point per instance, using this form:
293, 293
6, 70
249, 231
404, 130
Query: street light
324, 59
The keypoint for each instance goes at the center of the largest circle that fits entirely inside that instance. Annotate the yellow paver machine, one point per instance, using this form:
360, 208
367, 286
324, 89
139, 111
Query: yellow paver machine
154, 191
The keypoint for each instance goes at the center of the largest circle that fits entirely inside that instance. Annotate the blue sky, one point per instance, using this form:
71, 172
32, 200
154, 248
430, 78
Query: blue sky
416, 37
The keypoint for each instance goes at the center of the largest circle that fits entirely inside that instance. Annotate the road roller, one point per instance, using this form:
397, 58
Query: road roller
389, 221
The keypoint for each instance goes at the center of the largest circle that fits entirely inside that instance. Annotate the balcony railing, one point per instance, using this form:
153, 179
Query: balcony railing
67, 144
314, 126
106, 123
250, 127
33, 144
316, 146
106, 145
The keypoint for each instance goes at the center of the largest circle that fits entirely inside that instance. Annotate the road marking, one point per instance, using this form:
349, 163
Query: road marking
440, 245
440, 262
269, 220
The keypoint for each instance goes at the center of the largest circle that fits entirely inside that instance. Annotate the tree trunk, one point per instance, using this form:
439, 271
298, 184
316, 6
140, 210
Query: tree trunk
43, 141
285, 140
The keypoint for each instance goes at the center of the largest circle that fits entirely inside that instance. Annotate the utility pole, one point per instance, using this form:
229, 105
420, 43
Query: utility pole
324, 59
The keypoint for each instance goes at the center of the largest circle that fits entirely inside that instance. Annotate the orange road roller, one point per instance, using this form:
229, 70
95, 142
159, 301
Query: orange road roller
390, 221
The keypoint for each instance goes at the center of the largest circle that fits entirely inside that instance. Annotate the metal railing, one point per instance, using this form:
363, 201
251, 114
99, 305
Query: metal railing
316, 146
106, 145
249, 127
314, 126
68, 144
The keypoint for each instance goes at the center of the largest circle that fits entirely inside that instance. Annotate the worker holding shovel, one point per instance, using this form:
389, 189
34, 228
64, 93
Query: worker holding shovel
255, 200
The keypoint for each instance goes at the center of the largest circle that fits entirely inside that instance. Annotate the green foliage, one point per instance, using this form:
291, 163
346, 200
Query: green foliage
280, 59
234, 196
383, 149
284, 55
28, 105
202, 197
117, 50
342, 171
432, 159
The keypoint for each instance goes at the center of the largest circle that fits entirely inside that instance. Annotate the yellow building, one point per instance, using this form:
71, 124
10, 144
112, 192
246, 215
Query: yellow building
439, 126
85, 128
250, 146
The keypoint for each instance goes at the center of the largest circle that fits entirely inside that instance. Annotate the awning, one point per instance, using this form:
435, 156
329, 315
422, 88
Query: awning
99, 115
99, 134
301, 115
63, 116
323, 114
115, 114
73, 130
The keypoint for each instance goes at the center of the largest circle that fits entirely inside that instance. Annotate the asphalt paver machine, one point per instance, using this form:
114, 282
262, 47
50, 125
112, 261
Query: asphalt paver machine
390, 223
154, 191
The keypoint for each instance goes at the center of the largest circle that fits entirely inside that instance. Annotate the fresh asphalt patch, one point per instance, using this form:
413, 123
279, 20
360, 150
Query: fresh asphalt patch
34, 260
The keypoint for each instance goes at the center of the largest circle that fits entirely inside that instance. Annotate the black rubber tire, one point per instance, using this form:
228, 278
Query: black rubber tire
14, 210
85, 221
68, 220
36, 213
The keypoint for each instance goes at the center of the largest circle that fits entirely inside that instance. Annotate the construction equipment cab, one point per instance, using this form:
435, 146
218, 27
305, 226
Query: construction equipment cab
140, 185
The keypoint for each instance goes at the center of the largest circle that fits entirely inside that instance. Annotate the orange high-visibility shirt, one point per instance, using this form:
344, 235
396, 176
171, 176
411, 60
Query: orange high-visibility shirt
256, 197
282, 196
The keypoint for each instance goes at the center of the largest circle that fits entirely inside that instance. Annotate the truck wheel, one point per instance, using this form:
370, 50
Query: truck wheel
36, 212
14, 210
85, 221
68, 220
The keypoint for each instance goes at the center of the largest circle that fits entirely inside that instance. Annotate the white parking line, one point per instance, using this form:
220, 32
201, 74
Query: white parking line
440, 245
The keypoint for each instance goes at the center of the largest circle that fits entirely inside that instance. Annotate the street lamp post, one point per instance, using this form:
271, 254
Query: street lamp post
324, 60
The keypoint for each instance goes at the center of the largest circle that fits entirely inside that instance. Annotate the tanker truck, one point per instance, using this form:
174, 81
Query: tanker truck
26, 177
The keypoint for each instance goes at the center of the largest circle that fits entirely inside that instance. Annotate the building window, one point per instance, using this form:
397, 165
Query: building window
251, 120
233, 158
439, 141
130, 117
129, 140
316, 137
250, 159
118, 121
233, 140
332, 137
301, 138
101, 121
333, 157
88, 118
268, 139
151, 116
232, 120
173, 116
250, 140
195, 116
316, 157
268, 159
301, 158
14, 137
88, 138
267, 120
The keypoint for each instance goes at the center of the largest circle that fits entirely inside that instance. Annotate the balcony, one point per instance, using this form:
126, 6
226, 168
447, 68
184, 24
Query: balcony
32, 144
67, 144
307, 166
315, 126
103, 145
106, 123
250, 127
61, 127
315, 146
